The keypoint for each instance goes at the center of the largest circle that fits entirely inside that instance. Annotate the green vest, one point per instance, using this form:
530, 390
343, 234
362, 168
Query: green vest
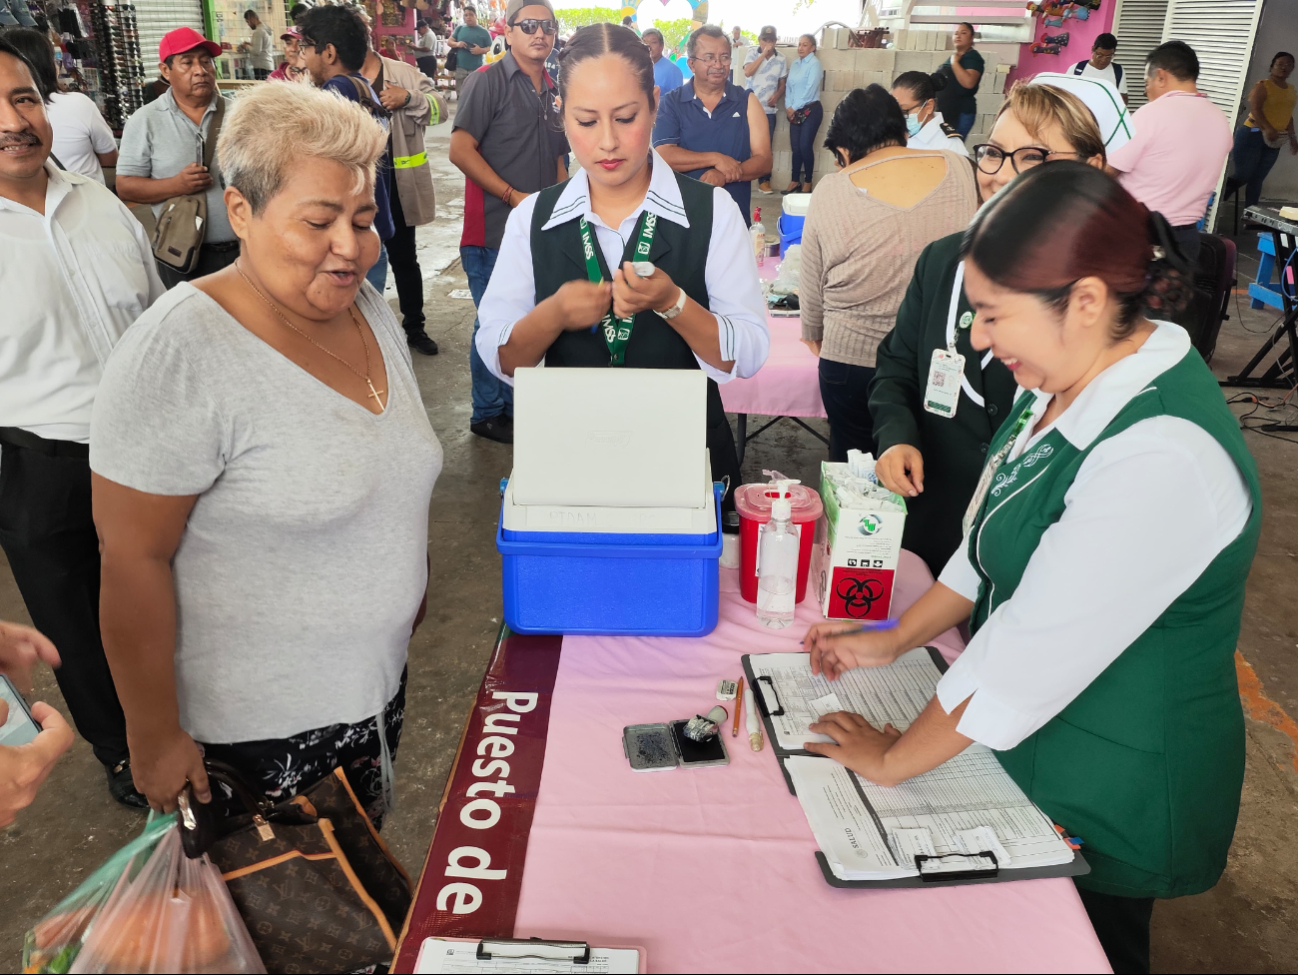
558, 257
1146, 764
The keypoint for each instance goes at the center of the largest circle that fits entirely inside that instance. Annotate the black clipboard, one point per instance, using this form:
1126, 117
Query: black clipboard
1076, 867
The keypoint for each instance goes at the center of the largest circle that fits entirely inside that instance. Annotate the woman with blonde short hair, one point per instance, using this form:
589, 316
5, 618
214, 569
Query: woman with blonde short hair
262, 464
934, 413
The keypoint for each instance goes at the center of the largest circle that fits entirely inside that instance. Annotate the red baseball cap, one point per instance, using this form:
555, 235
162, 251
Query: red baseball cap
184, 39
291, 32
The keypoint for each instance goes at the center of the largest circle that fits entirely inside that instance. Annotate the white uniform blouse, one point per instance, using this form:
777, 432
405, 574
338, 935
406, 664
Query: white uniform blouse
931, 136
734, 292
1150, 509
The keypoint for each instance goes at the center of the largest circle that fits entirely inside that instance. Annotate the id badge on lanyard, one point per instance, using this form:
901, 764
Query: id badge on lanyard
942, 394
946, 370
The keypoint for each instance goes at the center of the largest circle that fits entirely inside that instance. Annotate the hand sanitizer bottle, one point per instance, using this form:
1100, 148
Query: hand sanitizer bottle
777, 565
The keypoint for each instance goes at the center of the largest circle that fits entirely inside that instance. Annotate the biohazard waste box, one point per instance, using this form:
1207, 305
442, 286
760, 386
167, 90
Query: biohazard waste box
857, 544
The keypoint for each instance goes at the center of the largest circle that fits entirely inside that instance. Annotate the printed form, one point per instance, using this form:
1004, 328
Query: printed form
966, 806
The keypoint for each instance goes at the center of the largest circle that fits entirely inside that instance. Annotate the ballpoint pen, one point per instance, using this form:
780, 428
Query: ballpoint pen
754, 722
869, 626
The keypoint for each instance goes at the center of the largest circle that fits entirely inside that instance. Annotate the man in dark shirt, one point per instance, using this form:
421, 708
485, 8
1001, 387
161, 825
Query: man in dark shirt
710, 128
508, 141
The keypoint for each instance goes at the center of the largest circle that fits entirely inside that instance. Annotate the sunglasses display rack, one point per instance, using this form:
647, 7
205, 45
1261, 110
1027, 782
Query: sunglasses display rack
121, 71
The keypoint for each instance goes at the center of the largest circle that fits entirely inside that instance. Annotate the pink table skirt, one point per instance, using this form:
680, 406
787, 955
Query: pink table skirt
712, 869
789, 383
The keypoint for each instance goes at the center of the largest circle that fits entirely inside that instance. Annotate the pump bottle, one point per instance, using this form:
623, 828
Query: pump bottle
777, 565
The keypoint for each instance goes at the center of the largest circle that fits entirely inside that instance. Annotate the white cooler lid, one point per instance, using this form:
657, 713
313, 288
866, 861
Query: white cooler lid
625, 438
698, 520
797, 204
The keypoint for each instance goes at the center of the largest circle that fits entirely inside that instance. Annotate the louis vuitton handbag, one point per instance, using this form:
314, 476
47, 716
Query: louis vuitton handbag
314, 883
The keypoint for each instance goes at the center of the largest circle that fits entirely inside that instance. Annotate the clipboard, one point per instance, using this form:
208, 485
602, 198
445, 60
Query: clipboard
1074, 868
531, 955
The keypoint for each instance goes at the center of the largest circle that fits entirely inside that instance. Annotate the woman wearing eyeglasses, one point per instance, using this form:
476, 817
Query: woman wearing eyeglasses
802, 106
931, 448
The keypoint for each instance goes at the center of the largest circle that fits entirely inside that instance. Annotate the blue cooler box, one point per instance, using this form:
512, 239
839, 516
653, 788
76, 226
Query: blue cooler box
610, 583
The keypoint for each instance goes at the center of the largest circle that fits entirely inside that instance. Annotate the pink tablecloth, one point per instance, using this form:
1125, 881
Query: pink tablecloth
712, 869
789, 383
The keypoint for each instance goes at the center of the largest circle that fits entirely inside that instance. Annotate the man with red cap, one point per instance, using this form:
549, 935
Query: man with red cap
163, 143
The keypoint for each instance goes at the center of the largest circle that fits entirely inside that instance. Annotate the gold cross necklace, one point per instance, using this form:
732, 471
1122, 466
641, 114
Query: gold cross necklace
375, 394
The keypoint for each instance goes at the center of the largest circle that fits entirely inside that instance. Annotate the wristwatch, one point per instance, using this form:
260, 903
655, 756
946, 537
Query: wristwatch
675, 309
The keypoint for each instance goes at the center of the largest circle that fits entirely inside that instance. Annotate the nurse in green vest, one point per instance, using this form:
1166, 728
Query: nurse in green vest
1104, 559
627, 264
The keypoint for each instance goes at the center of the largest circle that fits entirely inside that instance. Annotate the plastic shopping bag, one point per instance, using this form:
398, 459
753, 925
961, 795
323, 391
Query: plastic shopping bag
149, 909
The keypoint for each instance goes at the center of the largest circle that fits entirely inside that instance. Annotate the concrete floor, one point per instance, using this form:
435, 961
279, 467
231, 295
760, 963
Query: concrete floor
1245, 924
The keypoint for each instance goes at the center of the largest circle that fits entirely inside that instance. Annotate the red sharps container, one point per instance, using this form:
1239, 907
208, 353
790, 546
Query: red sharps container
753, 502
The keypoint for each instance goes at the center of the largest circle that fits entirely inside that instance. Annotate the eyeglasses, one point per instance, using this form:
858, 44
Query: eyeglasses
530, 25
991, 158
711, 59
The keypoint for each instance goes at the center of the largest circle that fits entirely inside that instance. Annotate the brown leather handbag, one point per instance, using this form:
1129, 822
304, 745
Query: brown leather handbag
316, 886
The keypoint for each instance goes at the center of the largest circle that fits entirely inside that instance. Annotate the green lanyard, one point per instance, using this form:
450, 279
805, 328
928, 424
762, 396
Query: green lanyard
993, 464
617, 331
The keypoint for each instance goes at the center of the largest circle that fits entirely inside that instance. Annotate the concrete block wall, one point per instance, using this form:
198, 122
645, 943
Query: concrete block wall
848, 68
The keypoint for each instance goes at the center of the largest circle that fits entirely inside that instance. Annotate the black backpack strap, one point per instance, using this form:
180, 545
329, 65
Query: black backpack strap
1079, 67
1117, 72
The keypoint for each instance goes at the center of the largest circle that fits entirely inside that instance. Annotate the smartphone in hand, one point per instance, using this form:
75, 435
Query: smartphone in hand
19, 727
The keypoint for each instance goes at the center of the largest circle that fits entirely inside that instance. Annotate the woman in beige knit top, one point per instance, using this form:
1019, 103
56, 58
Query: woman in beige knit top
866, 227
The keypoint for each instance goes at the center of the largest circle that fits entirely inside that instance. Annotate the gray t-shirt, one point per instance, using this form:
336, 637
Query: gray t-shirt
304, 559
159, 140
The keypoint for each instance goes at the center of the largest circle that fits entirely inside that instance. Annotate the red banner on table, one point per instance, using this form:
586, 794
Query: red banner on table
470, 882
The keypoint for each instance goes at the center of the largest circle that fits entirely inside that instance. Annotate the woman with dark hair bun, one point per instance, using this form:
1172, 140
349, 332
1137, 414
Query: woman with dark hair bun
926, 128
1104, 561
565, 264
867, 225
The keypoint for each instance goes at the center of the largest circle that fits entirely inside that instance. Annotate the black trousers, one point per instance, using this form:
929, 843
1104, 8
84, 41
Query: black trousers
1122, 925
260, 74
49, 537
405, 267
845, 390
211, 258
1188, 237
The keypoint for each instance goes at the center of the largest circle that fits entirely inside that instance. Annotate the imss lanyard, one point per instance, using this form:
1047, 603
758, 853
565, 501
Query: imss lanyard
617, 331
993, 464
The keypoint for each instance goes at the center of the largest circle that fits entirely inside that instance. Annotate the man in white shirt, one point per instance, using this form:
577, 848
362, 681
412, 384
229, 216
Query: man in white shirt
76, 270
426, 49
261, 48
1102, 66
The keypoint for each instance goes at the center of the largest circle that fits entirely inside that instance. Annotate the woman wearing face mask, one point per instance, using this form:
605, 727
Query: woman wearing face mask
932, 448
701, 308
1104, 561
916, 93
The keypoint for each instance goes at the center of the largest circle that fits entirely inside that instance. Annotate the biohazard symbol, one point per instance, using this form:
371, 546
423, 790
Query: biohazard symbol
858, 595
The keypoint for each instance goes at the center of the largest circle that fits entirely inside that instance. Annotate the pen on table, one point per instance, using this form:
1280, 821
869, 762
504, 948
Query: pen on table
754, 722
739, 706
868, 626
